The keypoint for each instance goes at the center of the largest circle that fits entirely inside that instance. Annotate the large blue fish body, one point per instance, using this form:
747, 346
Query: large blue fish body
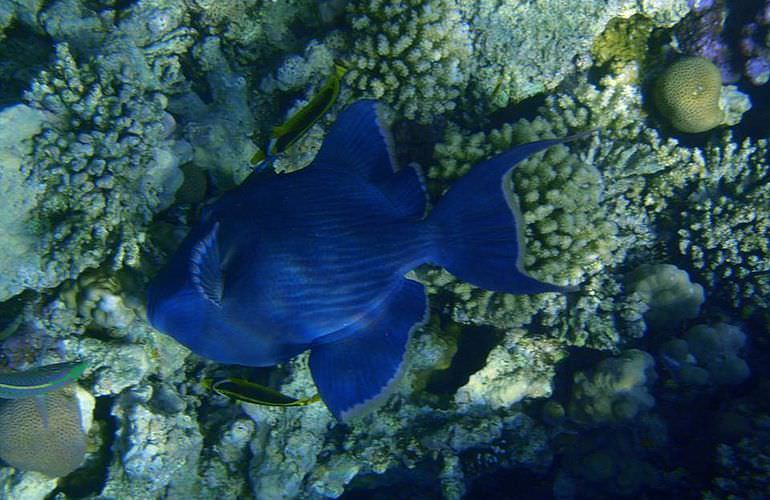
316, 260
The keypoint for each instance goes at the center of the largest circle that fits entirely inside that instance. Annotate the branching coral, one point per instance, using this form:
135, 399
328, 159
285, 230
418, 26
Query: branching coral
106, 142
584, 207
412, 55
723, 225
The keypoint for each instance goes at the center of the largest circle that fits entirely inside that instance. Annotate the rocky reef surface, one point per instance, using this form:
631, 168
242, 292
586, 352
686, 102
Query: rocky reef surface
123, 117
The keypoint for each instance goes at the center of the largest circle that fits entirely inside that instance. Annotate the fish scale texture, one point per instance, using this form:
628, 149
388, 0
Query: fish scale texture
28, 444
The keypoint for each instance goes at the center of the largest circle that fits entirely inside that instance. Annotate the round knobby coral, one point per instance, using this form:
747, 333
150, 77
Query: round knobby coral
411, 55
687, 94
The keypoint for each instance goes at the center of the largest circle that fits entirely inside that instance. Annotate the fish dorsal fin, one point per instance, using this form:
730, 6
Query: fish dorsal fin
206, 267
359, 143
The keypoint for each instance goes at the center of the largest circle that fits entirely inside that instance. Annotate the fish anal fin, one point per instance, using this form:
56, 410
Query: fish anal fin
356, 369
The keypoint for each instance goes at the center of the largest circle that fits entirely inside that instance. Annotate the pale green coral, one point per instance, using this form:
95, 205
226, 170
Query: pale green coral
668, 292
411, 55
622, 41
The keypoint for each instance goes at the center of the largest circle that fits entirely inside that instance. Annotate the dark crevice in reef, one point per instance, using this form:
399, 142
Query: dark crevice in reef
473, 346
397, 484
23, 54
91, 477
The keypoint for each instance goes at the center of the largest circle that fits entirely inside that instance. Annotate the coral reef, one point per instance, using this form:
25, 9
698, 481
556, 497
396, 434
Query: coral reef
687, 94
20, 266
148, 95
479, 49
428, 46
755, 46
705, 32
623, 40
109, 138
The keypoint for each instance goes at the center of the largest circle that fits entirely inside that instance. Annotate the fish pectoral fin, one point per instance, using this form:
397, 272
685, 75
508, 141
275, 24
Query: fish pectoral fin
206, 267
356, 373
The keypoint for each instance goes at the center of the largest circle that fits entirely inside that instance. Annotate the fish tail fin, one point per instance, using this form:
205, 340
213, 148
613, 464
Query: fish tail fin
478, 227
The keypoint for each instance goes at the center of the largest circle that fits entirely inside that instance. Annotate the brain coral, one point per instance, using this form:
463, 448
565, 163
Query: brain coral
687, 94
28, 442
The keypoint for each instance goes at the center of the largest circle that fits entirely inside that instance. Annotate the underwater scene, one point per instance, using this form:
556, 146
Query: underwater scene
387, 249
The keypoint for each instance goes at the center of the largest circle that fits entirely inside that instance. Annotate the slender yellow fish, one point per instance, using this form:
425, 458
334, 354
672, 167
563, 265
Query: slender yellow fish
250, 392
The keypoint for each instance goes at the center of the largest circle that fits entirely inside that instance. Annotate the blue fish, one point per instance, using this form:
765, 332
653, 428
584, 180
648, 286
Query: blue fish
316, 260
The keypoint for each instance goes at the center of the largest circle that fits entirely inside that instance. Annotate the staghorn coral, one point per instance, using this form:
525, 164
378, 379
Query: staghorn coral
722, 226
687, 94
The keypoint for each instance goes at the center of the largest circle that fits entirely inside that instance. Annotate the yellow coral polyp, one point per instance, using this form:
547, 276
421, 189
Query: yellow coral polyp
687, 94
